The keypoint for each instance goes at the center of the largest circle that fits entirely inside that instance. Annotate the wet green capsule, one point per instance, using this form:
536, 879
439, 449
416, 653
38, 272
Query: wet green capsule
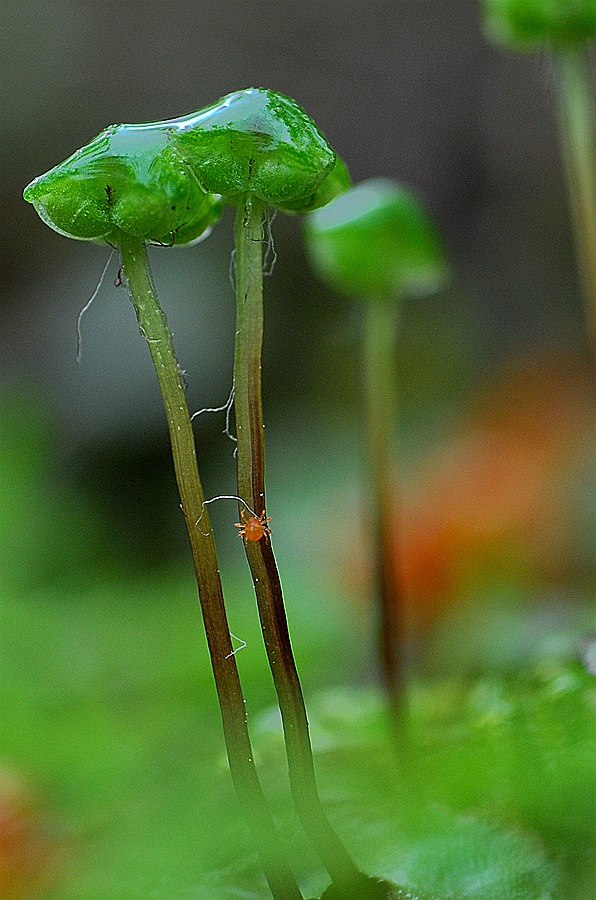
335, 183
259, 142
164, 182
130, 178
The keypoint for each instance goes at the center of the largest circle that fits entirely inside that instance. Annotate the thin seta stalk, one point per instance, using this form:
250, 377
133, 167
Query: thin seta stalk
577, 118
380, 403
251, 488
375, 244
153, 325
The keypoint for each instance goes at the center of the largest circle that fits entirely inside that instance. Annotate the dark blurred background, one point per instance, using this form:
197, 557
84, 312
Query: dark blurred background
408, 89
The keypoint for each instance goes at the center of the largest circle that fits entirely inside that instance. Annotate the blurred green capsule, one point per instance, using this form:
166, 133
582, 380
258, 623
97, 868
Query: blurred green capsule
527, 24
376, 241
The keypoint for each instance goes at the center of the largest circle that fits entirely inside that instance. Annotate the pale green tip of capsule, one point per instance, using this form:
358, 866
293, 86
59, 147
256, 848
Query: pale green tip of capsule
376, 241
530, 24
335, 183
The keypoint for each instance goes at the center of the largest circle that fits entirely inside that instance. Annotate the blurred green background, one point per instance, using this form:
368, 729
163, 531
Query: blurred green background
112, 777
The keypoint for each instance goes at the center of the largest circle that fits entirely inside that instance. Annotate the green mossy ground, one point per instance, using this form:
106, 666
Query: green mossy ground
109, 717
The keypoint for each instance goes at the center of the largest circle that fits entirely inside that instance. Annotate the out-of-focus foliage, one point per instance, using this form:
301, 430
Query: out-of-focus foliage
507, 750
108, 713
46, 537
109, 707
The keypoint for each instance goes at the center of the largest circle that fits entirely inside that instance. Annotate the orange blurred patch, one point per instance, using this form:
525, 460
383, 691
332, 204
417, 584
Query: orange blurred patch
25, 857
499, 489
494, 498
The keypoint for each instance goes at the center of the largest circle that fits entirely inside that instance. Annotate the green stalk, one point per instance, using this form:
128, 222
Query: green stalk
380, 401
577, 117
251, 487
153, 324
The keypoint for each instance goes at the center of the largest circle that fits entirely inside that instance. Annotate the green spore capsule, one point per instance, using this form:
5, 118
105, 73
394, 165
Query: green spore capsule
164, 182
131, 179
527, 24
261, 143
376, 241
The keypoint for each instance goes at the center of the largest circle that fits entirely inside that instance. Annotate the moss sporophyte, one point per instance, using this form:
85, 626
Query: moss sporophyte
375, 244
165, 183
567, 30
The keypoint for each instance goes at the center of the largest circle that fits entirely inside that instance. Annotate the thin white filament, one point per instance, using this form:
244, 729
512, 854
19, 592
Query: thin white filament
215, 409
88, 304
223, 497
270, 256
241, 647
232, 271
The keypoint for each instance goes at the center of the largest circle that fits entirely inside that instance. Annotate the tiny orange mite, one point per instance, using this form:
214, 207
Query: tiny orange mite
253, 528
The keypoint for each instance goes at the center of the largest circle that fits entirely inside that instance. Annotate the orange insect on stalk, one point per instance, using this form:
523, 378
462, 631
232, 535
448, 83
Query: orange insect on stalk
253, 528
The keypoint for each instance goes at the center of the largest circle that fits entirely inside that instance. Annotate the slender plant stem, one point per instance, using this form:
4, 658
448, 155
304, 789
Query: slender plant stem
380, 401
153, 324
251, 487
577, 117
